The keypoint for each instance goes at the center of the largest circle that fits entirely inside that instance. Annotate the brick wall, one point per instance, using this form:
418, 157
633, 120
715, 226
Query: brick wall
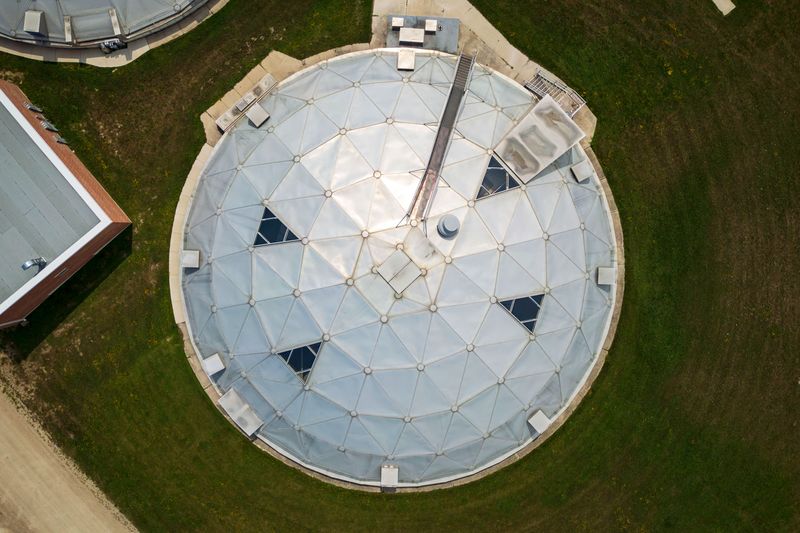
54, 278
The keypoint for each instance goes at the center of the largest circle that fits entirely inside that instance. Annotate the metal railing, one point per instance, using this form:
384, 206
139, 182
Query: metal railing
542, 84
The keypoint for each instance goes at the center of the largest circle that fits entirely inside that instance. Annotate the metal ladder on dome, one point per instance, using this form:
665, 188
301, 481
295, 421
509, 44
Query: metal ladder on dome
422, 199
463, 71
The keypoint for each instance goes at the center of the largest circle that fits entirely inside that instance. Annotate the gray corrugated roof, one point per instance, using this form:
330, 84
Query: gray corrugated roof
90, 19
40, 212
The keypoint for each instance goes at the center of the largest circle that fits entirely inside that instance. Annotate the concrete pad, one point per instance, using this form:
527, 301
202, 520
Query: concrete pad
526, 72
316, 58
218, 109
385, 7
249, 81
280, 65
380, 28
725, 6
230, 98
253, 77
587, 122
22, 50
199, 371
355, 47
210, 127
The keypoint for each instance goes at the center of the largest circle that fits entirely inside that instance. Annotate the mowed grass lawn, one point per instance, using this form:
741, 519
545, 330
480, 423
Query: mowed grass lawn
693, 423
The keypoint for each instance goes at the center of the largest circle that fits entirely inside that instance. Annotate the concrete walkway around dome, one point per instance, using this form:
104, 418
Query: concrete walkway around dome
477, 35
42, 490
93, 56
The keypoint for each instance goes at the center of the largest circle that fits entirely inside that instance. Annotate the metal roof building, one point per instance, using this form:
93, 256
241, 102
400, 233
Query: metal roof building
359, 341
54, 216
87, 22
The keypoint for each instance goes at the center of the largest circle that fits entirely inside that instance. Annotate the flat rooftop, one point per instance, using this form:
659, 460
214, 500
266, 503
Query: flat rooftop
41, 212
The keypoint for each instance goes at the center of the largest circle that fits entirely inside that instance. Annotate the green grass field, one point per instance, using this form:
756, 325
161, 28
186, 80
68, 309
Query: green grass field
693, 423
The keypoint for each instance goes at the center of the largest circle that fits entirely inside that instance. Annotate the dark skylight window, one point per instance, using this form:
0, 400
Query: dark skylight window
496, 179
301, 359
272, 230
525, 309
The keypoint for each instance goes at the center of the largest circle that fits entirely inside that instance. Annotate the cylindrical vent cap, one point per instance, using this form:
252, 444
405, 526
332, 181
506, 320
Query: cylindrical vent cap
448, 226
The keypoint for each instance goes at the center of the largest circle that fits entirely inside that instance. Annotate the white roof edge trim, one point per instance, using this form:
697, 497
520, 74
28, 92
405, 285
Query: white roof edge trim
53, 158
103, 220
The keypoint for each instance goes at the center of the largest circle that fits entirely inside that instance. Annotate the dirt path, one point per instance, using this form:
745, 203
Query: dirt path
39, 489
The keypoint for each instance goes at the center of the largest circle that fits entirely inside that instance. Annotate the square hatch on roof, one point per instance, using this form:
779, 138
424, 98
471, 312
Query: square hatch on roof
399, 271
538, 139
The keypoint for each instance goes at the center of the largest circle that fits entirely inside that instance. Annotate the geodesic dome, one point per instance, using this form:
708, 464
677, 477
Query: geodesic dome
355, 339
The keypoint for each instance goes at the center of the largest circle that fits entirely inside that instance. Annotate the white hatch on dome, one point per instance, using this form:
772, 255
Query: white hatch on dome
399, 271
540, 137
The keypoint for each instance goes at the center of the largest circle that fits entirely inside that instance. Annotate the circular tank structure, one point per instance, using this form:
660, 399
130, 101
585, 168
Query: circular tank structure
84, 23
351, 338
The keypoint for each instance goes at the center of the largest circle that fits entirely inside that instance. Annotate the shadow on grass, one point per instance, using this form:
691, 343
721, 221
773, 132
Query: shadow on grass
21, 340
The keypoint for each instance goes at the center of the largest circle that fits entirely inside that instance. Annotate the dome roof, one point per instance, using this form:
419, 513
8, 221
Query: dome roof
82, 22
359, 339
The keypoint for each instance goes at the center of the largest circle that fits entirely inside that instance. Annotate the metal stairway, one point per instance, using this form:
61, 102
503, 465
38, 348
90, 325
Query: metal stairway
424, 195
463, 71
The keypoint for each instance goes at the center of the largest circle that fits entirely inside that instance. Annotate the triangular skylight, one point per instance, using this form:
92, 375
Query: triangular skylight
525, 309
272, 230
496, 179
301, 359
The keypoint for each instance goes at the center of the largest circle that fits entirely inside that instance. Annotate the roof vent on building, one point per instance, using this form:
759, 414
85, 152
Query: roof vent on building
406, 59
257, 115
190, 259
390, 476
539, 422
448, 226
41, 262
212, 364
412, 36
35, 108
605, 276
35, 22
49, 126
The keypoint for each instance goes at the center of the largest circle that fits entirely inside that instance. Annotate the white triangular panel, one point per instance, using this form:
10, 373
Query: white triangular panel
465, 319
497, 210
359, 343
354, 312
481, 269
324, 303
332, 221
